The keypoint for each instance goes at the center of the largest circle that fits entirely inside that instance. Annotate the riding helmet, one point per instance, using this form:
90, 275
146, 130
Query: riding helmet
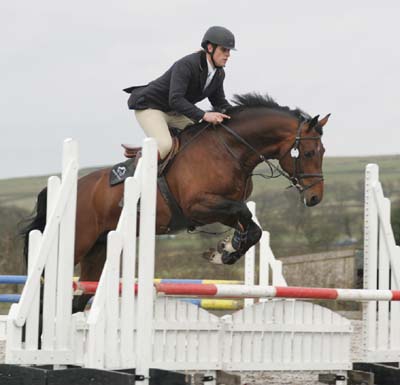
219, 36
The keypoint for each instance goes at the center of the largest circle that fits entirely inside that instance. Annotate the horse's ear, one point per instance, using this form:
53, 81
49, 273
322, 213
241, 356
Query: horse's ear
323, 121
313, 122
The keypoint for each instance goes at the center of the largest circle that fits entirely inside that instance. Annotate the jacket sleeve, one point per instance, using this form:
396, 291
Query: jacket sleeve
180, 79
218, 99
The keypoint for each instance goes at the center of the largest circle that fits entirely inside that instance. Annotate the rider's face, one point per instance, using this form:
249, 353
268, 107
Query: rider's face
221, 55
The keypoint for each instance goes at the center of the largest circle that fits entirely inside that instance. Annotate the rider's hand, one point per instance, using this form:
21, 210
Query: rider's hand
215, 117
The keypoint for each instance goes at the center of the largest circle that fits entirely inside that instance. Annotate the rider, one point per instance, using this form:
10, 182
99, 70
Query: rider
169, 101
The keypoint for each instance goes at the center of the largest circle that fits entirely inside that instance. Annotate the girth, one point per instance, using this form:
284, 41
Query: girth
178, 220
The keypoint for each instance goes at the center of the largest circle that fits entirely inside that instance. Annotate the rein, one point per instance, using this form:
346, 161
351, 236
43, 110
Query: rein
293, 150
294, 153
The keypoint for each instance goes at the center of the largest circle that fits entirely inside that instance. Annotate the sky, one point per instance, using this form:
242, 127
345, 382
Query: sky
63, 66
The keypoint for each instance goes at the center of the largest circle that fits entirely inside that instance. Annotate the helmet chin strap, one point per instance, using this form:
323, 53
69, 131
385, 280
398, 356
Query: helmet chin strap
212, 55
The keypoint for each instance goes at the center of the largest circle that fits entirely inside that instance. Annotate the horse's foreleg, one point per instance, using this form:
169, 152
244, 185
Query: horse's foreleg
242, 240
234, 214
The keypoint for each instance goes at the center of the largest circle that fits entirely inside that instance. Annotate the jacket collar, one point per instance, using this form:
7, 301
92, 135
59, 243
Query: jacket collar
204, 72
203, 69
203, 61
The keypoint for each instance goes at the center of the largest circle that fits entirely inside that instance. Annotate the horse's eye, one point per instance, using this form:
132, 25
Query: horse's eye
309, 154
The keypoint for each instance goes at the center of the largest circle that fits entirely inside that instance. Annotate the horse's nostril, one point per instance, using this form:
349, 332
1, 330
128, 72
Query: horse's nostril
314, 200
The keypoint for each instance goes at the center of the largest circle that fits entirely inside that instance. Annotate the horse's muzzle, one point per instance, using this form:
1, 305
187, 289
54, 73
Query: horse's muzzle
314, 200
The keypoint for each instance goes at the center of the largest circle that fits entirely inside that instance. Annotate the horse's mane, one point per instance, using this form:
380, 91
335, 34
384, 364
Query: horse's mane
253, 100
256, 100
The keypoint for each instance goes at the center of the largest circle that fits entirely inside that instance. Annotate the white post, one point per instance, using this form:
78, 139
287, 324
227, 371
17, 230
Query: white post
268, 263
249, 265
32, 322
265, 258
128, 302
384, 276
395, 313
14, 336
50, 231
145, 307
50, 278
386, 230
370, 254
53, 253
112, 357
67, 248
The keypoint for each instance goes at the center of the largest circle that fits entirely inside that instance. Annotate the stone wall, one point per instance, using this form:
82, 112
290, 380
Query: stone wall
329, 269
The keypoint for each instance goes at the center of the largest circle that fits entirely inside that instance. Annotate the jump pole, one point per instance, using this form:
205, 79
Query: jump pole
21, 280
12, 279
247, 291
288, 292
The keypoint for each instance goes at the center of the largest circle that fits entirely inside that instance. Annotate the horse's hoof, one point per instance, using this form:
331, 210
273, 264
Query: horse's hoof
213, 256
230, 258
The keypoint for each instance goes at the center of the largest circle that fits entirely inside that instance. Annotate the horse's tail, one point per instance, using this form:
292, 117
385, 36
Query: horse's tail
36, 222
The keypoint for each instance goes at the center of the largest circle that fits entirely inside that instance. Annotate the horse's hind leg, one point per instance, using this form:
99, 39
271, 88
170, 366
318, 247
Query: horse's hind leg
91, 266
90, 256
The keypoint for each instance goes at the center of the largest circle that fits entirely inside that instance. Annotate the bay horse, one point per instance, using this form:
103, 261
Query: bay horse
210, 178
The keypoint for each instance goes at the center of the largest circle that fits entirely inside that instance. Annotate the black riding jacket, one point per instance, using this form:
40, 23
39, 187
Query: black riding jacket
180, 88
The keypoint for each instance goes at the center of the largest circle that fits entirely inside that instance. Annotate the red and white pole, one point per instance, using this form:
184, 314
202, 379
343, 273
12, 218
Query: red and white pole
289, 292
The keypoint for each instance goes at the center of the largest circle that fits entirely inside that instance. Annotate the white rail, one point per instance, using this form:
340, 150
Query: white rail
381, 333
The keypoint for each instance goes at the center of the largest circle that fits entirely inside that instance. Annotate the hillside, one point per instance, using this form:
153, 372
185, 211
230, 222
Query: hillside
334, 223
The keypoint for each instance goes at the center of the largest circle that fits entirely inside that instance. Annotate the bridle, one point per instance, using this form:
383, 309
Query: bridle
294, 151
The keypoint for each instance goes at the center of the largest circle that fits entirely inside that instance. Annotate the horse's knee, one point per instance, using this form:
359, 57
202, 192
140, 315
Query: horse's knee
244, 215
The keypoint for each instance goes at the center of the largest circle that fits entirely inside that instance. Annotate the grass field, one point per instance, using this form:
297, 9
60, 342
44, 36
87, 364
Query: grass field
294, 229
21, 192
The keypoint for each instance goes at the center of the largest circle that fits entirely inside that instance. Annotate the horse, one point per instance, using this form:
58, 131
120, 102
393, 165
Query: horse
210, 179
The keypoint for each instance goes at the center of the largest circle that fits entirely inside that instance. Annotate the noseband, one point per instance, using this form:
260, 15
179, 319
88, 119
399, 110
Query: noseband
294, 152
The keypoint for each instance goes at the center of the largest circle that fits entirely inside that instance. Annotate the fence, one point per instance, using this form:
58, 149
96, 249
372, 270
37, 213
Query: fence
381, 320
122, 331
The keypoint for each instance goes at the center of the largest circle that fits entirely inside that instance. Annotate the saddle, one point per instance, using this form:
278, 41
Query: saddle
136, 153
123, 170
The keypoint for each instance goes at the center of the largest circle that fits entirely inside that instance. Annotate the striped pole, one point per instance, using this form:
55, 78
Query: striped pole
21, 279
194, 280
245, 291
215, 304
204, 303
90, 287
289, 292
